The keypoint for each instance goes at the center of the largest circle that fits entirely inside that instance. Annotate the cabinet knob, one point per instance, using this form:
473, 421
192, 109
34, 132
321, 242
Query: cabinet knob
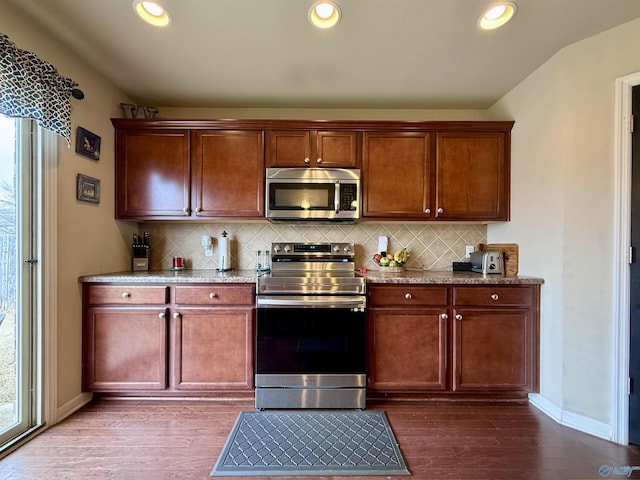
444, 316
176, 315
458, 317
494, 296
440, 210
126, 294
199, 209
428, 211
319, 160
186, 210
212, 295
162, 315
306, 160
408, 296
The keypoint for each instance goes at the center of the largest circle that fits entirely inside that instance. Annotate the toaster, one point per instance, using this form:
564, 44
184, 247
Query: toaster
487, 262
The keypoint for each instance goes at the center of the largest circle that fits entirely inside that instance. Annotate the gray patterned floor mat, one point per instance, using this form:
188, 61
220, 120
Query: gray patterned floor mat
301, 443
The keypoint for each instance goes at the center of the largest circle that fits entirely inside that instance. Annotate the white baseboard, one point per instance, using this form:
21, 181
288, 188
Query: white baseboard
572, 420
73, 405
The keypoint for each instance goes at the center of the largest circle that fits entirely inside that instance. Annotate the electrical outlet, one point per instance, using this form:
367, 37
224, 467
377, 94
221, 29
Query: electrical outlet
468, 251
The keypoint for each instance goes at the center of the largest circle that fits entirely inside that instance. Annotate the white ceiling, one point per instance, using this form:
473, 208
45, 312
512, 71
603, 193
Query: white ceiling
263, 53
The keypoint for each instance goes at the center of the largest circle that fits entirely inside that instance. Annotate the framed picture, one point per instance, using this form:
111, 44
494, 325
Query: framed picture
88, 189
88, 144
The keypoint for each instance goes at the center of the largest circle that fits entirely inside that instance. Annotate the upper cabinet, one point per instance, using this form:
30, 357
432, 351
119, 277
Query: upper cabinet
312, 148
169, 174
397, 171
152, 173
458, 171
228, 173
472, 178
214, 169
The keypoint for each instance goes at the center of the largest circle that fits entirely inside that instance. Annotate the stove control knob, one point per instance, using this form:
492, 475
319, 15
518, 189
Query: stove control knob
336, 248
276, 248
346, 249
287, 249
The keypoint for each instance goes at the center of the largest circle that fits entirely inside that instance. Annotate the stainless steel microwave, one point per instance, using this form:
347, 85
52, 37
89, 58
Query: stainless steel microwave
315, 194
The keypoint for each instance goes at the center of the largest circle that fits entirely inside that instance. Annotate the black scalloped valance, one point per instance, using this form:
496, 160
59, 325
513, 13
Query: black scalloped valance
32, 88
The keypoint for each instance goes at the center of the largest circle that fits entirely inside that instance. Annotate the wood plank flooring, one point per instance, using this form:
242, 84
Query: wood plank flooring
160, 440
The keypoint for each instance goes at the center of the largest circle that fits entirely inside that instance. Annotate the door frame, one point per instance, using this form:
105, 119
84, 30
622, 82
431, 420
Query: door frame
621, 255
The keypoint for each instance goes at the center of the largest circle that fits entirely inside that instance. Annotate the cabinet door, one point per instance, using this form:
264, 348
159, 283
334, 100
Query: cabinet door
212, 349
152, 174
397, 169
407, 349
228, 173
125, 349
472, 176
289, 148
336, 149
492, 349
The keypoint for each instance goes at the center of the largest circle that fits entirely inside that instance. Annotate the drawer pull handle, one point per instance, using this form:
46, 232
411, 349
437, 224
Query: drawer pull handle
444, 316
458, 317
212, 295
494, 296
408, 296
176, 315
126, 294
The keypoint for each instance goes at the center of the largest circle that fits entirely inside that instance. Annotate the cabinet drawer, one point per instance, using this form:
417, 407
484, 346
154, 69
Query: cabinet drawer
493, 296
128, 295
215, 294
406, 295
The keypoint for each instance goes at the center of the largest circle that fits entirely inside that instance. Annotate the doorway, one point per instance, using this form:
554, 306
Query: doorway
18, 240
634, 278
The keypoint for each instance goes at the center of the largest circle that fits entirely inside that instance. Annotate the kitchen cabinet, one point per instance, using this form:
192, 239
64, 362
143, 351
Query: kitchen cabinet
448, 176
495, 338
174, 174
228, 173
312, 148
183, 337
212, 333
396, 177
407, 328
453, 339
125, 338
153, 172
472, 177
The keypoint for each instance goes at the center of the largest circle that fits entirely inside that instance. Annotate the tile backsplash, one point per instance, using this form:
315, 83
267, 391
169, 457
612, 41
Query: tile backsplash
431, 247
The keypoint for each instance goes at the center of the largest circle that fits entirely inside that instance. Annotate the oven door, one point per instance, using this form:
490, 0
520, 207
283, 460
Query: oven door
301, 338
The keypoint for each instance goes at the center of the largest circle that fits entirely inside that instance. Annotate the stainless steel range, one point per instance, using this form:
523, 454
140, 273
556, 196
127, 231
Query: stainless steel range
310, 332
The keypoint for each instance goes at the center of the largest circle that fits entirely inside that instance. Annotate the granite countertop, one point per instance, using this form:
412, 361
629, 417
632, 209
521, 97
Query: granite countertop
250, 276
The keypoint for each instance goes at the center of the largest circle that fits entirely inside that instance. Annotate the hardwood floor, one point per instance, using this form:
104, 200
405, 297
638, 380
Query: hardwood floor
159, 440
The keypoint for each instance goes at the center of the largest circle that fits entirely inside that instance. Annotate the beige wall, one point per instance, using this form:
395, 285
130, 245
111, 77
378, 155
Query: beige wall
89, 240
562, 198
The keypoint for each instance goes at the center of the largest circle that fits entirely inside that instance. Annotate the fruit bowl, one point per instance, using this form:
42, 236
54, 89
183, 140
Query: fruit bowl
390, 270
391, 264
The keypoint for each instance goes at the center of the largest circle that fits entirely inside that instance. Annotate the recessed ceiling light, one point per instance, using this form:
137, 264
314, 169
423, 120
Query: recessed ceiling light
324, 14
152, 12
497, 15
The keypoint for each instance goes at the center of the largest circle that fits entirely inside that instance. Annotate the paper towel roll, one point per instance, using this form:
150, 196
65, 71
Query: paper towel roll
224, 252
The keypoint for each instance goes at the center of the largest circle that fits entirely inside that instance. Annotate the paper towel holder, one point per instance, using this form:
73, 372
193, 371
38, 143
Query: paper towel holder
224, 253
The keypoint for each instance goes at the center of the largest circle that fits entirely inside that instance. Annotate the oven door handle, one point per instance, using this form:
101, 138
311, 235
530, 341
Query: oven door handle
312, 301
336, 197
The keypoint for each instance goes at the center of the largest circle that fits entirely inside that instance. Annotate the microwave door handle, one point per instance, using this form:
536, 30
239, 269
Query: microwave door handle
336, 200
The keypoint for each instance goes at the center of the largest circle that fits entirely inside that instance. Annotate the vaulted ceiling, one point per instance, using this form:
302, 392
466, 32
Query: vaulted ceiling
264, 53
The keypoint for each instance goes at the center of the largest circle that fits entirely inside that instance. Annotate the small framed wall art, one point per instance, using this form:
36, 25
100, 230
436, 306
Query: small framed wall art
88, 189
88, 144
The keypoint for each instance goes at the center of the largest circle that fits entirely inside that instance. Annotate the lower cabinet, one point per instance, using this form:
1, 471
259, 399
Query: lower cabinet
203, 343
125, 348
480, 339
